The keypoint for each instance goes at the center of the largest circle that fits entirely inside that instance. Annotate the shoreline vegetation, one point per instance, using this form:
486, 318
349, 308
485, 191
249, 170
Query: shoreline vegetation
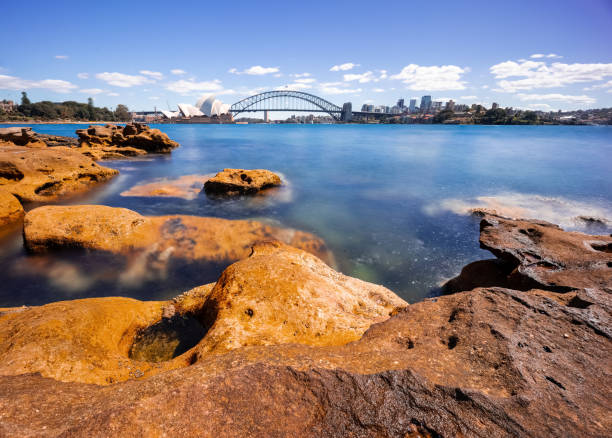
71, 112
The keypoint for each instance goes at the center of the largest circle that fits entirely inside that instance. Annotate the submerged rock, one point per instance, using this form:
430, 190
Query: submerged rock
241, 181
115, 141
186, 187
39, 175
160, 239
27, 137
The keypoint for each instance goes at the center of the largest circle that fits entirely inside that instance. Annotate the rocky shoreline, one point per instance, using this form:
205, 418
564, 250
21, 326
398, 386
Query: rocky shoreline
284, 345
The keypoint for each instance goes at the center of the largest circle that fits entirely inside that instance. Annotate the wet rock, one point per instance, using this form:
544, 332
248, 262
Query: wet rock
11, 210
186, 187
39, 175
535, 254
113, 141
160, 239
241, 181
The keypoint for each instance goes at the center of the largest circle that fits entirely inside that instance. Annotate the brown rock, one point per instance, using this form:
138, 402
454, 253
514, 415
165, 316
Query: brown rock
11, 210
237, 181
45, 174
163, 238
21, 137
124, 139
186, 187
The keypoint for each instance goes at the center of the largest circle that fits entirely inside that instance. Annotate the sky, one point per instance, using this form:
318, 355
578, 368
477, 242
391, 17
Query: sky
536, 54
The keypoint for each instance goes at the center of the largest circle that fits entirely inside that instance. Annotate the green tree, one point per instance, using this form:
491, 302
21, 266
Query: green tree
24, 98
90, 109
122, 113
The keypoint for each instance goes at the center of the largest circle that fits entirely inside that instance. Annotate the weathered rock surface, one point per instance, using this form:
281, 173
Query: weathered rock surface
18, 136
114, 141
38, 175
241, 181
10, 209
491, 362
535, 254
162, 238
186, 187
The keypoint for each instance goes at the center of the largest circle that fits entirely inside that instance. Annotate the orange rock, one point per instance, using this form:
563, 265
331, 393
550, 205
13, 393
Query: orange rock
10, 209
236, 181
186, 187
46, 174
123, 231
123, 140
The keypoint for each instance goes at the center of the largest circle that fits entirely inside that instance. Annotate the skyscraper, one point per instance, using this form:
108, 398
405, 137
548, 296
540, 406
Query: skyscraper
400, 103
425, 103
412, 106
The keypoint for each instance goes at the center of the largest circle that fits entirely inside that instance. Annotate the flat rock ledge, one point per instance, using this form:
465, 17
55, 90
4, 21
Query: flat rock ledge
290, 347
157, 239
241, 181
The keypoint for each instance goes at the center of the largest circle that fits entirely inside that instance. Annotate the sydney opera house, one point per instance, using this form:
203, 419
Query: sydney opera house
206, 106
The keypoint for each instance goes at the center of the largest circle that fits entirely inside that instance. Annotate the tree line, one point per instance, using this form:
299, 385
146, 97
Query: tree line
68, 110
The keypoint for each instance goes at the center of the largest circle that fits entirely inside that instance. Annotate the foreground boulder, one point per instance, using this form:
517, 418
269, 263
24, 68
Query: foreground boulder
279, 295
161, 239
39, 175
536, 254
241, 181
20, 137
115, 141
11, 210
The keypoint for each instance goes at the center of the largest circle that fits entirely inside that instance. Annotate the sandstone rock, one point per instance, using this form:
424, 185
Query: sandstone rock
45, 174
21, 137
486, 363
237, 181
186, 187
10, 209
117, 139
535, 254
162, 238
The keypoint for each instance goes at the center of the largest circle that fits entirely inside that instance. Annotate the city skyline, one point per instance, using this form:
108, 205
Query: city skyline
468, 55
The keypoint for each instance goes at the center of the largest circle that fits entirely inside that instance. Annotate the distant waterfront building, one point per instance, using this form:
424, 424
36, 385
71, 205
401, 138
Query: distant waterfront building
460, 108
367, 108
436, 106
347, 112
7, 106
495, 105
400, 104
450, 105
412, 106
396, 109
425, 103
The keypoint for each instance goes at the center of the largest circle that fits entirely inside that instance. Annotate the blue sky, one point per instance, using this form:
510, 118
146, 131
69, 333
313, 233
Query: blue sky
536, 54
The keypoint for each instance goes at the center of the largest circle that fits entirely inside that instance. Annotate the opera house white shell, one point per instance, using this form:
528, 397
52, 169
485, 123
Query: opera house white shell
207, 105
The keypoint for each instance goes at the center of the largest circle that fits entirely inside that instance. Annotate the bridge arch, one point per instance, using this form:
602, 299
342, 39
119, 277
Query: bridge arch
285, 100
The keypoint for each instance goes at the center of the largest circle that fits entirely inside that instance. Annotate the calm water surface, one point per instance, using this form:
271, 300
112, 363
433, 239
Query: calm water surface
382, 197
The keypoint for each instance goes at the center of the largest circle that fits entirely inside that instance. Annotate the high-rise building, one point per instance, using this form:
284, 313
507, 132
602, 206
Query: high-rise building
412, 106
495, 105
400, 104
436, 106
425, 104
347, 112
450, 105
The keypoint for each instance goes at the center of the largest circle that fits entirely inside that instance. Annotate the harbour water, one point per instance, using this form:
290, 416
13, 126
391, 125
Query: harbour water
389, 201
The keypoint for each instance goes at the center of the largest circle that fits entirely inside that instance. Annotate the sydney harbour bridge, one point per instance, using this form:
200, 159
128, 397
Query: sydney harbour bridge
294, 101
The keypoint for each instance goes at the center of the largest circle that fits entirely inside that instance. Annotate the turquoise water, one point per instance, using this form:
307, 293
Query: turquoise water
388, 200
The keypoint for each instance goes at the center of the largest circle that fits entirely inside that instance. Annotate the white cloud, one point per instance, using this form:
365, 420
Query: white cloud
112, 94
295, 86
305, 80
539, 106
597, 87
61, 56
83, 75
537, 74
91, 90
333, 84
363, 78
154, 98
186, 86
123, 80
541, 55
468, 97
256, 70
15, 83
300, 75
152, 74
556, 97
278, 75
383, 74
378, 90
432, 78
177, 71
344, 67
338, 90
